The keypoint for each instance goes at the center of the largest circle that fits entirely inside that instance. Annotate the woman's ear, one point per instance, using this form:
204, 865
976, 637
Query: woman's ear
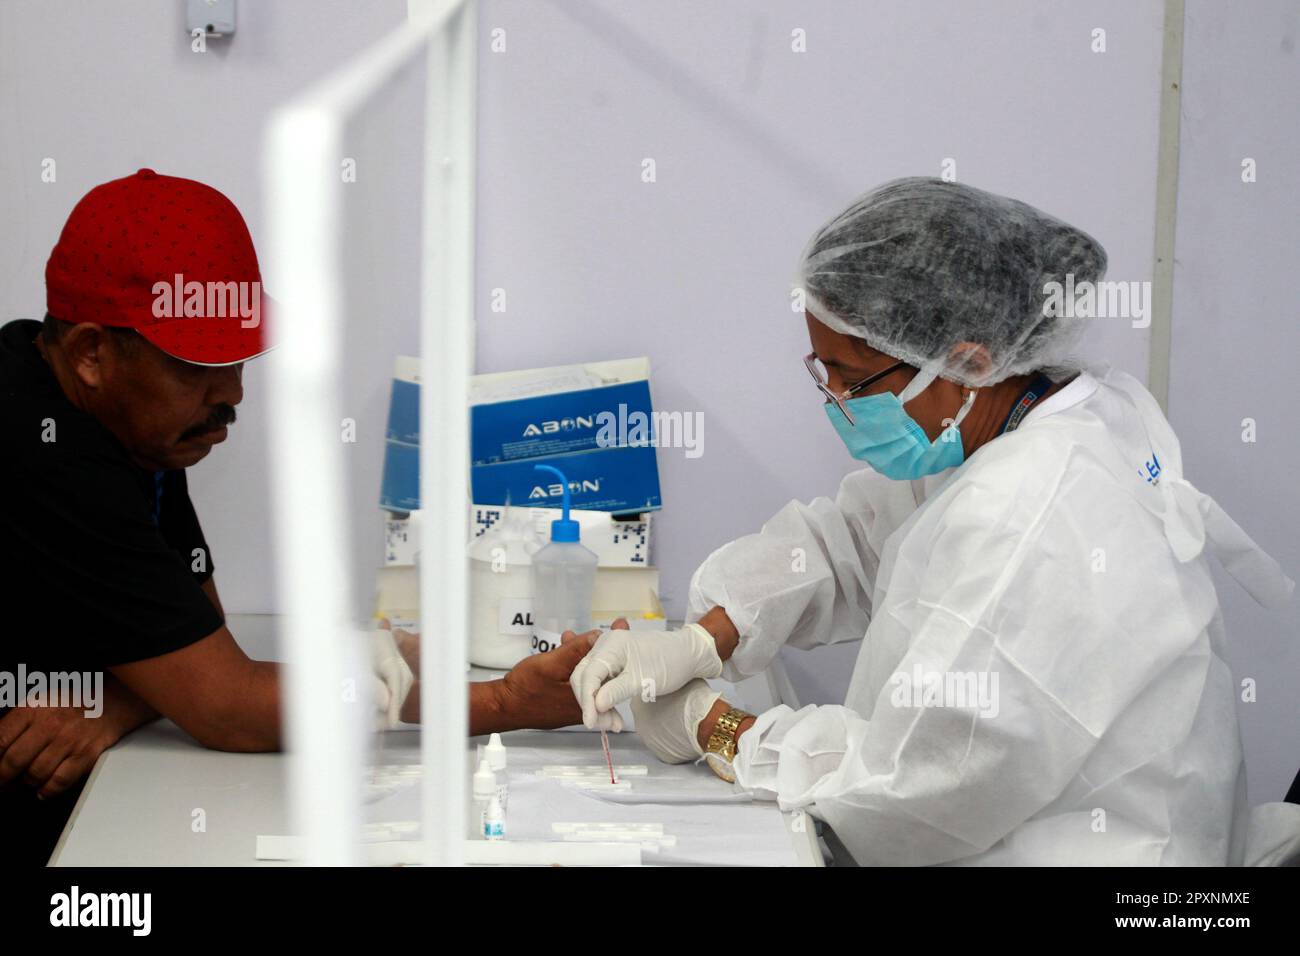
971, 359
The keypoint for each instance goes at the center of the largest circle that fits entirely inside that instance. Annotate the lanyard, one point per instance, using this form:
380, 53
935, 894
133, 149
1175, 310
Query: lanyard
1036, 390
157, 497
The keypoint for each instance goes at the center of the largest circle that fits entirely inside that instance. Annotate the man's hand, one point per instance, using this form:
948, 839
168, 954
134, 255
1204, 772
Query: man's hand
536, 692
51, 748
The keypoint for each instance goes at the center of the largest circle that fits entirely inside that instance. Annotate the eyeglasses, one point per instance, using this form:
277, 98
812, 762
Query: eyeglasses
810, 362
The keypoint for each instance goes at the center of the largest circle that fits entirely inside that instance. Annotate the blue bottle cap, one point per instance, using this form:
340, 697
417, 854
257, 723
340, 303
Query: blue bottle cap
563, 529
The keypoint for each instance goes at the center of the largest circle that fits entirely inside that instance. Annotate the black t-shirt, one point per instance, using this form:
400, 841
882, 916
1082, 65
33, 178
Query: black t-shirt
101, 561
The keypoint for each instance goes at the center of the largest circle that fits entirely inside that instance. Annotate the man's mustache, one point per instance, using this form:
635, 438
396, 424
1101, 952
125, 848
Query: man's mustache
221, 416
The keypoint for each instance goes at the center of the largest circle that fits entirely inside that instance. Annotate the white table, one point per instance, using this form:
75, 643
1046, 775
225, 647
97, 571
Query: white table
145, 797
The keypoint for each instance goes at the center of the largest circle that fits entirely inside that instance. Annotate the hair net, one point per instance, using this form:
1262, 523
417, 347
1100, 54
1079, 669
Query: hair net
919, 265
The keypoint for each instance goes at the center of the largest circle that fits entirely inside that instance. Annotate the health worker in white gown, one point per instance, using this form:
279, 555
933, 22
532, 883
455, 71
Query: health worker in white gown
1042, 677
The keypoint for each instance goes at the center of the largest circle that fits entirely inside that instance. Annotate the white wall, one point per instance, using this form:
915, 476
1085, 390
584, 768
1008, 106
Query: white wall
1236, 337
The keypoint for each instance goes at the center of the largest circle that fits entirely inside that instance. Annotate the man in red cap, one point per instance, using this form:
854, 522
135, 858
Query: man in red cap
154, 302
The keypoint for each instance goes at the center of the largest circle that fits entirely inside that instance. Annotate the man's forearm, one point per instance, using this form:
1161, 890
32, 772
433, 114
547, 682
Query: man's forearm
485, 714
249, 719
124, 710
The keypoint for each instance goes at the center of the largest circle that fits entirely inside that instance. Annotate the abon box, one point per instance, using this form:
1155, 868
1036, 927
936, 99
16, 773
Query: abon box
594, 422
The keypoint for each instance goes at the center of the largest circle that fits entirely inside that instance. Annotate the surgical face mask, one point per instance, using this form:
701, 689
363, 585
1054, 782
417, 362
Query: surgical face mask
890, 440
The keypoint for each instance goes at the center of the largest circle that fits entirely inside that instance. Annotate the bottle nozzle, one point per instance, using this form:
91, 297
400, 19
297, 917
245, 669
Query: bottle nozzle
564, 529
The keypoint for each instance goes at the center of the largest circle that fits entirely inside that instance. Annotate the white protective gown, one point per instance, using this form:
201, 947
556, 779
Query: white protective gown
1056, 583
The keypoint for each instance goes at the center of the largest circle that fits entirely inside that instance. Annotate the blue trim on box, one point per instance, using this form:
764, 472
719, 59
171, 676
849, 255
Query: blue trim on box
618, 480
509, 438
550, 425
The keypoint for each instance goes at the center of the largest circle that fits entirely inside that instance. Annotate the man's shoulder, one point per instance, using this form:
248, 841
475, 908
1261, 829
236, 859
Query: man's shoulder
33, 432
37, 422
18, 356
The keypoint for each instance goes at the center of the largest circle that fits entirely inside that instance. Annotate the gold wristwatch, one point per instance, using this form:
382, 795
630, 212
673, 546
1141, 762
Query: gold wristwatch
720, 751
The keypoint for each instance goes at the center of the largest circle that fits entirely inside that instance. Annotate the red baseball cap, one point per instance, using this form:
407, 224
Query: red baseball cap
168, 257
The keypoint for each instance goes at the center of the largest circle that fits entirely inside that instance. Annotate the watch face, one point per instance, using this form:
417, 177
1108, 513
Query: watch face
721, 766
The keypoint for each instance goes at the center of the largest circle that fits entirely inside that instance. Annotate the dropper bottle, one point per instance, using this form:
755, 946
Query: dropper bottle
495, 755
485, 790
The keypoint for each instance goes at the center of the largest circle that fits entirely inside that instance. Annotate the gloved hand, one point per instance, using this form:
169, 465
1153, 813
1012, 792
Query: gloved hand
625, 665
393, 678
536, 692
669, 725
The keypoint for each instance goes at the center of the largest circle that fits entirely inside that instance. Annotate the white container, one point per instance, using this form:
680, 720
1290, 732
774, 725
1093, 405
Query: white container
564, 579
501, 592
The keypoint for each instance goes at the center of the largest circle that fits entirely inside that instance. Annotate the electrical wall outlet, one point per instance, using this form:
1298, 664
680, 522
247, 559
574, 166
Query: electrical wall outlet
214, 18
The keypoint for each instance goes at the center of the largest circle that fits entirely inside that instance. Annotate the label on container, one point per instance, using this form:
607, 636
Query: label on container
515, 617
544, 640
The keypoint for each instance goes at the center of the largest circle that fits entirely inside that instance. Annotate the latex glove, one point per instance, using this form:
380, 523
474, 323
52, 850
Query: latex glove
393, 676
627, 664
669, 725
408, 643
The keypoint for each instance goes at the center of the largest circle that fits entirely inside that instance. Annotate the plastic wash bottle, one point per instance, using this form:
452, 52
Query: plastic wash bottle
564, 578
